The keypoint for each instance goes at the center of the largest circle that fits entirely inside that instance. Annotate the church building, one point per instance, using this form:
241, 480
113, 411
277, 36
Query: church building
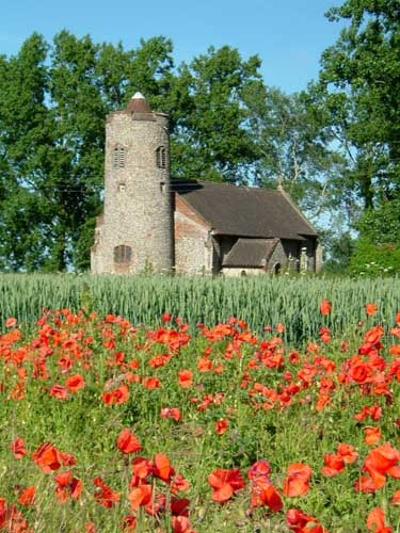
153, 223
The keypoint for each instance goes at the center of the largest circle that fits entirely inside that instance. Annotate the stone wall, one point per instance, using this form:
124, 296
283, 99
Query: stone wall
137, 208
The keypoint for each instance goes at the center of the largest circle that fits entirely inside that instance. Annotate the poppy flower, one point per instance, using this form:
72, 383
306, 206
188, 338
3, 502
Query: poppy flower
59, 392
300, 522
185, 379
75, 383
221, 426
376, 521
151, 383
140, 496
263, 493
27, 496
181, 524
68, 487
171, 412
118, 396
48, 458
348, 453
372, 435
325, 307
11, 322
179, 484
297, 482
127, 442
260, 470
381, 462
396, 498
129, 524
18, 448
334, 465
225, 483
104, 495
142, 468
371, 309
162, 467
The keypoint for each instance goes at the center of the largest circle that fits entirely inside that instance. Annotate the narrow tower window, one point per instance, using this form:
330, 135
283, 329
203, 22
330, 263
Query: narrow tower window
119, 157
122, 254
161, 157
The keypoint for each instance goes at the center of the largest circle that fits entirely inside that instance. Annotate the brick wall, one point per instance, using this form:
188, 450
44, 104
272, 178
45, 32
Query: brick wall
194, 249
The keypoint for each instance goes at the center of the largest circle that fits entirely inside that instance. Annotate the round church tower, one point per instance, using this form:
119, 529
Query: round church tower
135, 232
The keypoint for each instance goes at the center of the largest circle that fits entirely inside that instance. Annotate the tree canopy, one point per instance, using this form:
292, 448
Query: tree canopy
335, 147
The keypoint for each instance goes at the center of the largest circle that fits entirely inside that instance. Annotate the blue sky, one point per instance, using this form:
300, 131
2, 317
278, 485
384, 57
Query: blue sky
288, 35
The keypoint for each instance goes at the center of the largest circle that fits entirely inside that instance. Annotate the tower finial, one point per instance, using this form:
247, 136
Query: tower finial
138, 104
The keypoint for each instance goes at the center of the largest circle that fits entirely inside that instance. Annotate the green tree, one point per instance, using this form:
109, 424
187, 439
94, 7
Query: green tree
24, 132
294, 146
360, 82
211, 139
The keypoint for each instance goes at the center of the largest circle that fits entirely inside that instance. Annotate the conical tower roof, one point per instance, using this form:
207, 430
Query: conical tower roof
138, 104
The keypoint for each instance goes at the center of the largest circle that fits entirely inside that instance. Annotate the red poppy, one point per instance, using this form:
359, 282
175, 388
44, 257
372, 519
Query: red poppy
18, 448
334, 465
129, 524
127, 442
140, 496
326, 307
181, 524
263, 493
167, 317
142, 468
376, 521
300, 522
151, 383
372, 435
381, 462
225, 483
298, 479
348, 453
222, 426
27, 496
163, 468
59, 392
185, 379
104, 495
260, 470
179, 484
396, 498
75, 383
171, 412
11, 322
48, 458
371, 309
118, 396
68, 487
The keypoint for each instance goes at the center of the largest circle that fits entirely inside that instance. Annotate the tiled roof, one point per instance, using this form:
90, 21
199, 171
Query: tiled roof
244, 211
250, 253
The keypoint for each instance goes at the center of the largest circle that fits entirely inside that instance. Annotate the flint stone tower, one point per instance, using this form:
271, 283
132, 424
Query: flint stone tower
135, 233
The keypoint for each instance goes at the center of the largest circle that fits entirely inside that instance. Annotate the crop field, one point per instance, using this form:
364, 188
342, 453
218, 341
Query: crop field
259, 301
112, 424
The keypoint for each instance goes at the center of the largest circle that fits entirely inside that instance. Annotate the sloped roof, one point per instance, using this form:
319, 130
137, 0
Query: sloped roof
250, 253
244, 211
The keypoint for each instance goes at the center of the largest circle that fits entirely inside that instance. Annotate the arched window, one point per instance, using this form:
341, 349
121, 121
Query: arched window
276, 269
161, 157
119, 157
122, 254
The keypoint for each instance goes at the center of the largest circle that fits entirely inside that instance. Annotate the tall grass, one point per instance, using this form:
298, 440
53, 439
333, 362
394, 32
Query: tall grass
260, 301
